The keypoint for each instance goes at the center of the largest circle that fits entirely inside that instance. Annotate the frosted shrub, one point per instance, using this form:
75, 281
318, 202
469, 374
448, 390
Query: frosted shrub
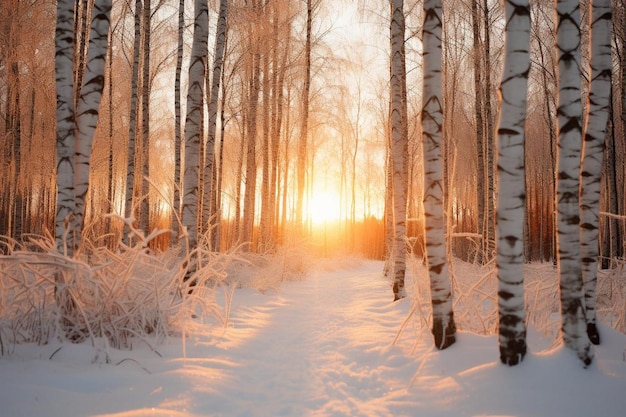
475, 296
125, 297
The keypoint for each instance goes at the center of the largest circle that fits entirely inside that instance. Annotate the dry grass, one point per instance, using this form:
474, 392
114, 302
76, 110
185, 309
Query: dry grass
476, 301
133, 295
117, 298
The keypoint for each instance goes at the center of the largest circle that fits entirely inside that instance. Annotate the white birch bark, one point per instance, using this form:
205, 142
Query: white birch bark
511, 184
399, 146
178, 130
64, 63
593, 151
220, 40
89, 104
144, 170
444, 328
194, 120
131, 188
569, 147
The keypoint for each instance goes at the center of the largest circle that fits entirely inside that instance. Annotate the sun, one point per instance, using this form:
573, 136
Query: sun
324, 207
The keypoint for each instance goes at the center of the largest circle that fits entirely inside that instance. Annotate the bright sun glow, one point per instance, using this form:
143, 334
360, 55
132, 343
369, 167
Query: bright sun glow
324, 207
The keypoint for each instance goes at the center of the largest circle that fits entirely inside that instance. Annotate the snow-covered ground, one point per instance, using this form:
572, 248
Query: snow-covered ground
328, 345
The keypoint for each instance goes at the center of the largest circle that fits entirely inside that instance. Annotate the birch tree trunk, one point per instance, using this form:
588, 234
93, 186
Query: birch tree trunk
399, 146
511, 185
132, 191
490, 223
251, 165
144, 206
304, 127
568, 212
483, 256
89, 104
220, 40
265, 237
444, 328
178, 126
194, 121
278, 82
593, 152
75, 130
64, 67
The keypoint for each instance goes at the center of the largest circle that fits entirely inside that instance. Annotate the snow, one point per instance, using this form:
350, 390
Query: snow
323, 346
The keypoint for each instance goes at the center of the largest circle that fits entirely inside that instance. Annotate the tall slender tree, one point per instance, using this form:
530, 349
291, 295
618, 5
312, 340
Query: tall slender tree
178, 126
132, 185
144, 207
194, 123
593, 151
304, 127
511, 185
568, 212
64, 66
252, 127
89, 103
218, 59
444, 328
399, 146
481, 196
74, 149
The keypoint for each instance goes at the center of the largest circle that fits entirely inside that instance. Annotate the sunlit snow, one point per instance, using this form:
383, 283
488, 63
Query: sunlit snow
323, 346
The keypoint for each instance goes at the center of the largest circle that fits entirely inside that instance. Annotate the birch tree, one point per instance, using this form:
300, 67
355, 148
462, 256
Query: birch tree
481, 196
568, 212
133, 186
178, 126
220, 40
399, 146
444, 328
144, 207
511, 185
252, 126
74, 149
64, 65
304, 127
593, 151
194, 120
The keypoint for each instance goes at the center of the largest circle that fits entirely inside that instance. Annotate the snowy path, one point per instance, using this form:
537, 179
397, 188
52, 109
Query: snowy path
320, 347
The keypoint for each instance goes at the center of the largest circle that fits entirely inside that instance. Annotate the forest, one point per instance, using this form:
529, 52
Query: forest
206, 127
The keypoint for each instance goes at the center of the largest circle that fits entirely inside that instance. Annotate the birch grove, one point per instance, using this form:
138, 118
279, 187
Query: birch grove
300, 130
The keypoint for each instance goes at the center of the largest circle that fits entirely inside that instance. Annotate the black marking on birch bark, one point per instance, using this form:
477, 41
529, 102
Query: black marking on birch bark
506, 131
573, 123
507, 295
439, 301
588, 226
511, 240
593, 334
444, 338
513, 351
437, 268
